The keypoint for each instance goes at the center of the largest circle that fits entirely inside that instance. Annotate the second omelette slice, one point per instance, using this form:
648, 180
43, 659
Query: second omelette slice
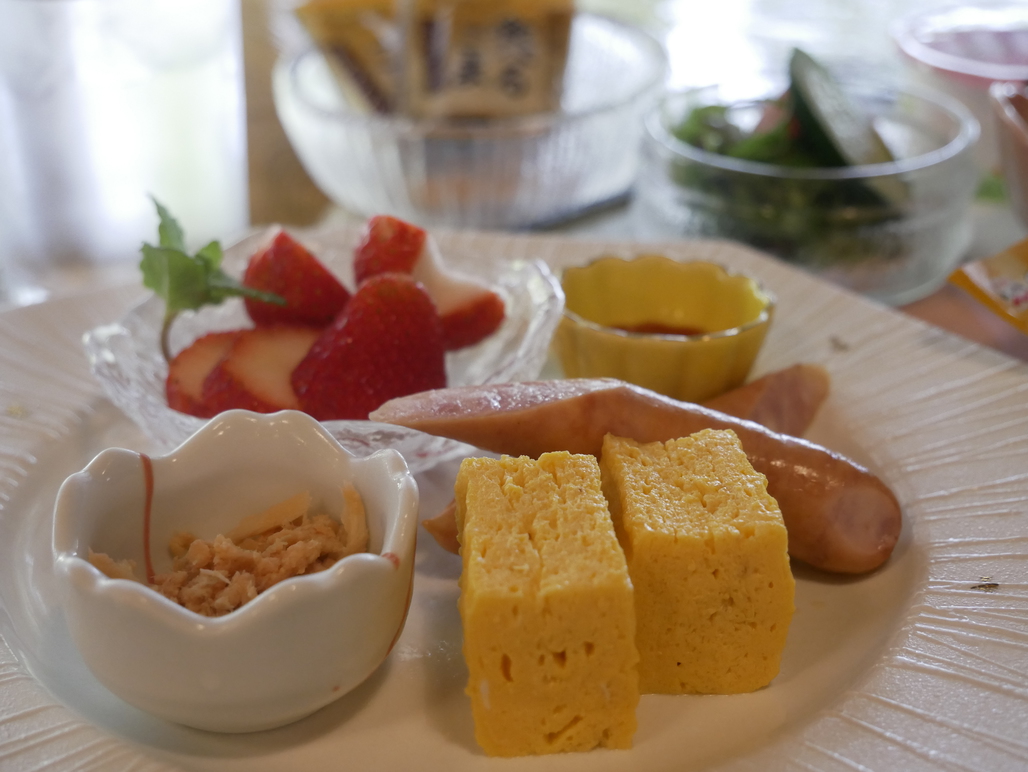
707, 553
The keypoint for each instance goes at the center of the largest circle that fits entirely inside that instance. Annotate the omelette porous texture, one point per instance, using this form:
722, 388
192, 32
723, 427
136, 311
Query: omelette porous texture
707, 554
547, 607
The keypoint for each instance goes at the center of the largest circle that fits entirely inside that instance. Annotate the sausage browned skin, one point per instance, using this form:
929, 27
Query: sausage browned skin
785, 401
839, 516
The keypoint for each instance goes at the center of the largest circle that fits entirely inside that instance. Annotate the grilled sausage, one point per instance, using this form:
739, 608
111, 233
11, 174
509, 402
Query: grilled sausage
840, 517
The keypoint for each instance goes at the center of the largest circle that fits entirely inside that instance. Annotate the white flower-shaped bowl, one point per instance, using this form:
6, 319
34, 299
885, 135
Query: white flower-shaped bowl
126, 359
293, 649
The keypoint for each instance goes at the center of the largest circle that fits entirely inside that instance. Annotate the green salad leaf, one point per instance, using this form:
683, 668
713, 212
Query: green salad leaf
812, 220
187, 282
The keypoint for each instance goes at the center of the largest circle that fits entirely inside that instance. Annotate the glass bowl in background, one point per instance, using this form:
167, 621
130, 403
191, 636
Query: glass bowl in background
509, 173
891, 231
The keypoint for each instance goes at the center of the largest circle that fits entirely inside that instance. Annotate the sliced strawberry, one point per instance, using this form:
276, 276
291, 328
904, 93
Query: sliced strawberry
470, 310
313, 295
387, 343
389, 245
473, 322
254, 374
190, 367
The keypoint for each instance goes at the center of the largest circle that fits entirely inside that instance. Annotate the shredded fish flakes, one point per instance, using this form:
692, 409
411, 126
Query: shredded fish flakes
214, 578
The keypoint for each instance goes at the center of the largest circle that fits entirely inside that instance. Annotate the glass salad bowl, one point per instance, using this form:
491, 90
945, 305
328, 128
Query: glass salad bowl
126, 359
890, 230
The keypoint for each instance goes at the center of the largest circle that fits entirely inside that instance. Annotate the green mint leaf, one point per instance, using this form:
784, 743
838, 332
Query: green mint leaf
186, 282
169, 231
176, 277
223, 286
212, 255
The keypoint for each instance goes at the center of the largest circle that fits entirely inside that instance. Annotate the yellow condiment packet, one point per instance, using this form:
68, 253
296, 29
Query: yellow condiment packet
1000, 283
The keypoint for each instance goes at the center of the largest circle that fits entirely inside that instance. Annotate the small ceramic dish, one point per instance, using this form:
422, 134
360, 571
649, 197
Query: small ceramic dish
690, 330
126, 359
293, 649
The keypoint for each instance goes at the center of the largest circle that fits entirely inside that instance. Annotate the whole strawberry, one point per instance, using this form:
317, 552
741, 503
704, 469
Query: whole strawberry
313, 296
388, 245
387, 343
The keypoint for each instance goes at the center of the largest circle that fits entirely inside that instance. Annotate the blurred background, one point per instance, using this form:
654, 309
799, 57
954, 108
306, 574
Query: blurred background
707, 43
251, 175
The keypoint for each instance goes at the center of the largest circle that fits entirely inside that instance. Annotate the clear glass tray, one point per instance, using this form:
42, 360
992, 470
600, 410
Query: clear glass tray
125, 355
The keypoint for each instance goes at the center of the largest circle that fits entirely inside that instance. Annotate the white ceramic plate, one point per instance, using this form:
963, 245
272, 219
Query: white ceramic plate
919, 666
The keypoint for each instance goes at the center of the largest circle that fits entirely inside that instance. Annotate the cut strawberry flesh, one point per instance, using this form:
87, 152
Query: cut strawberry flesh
255, 372
470, 309
190, 368
473, 322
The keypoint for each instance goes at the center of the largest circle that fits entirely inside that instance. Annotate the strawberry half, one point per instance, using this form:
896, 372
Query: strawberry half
470, 310
473, 321
190, 368
388, 245
313, 296
387, 343
255, 372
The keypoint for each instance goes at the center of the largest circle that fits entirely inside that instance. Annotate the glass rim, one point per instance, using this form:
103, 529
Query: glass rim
965, 139
538, 122
763, 318
909, 34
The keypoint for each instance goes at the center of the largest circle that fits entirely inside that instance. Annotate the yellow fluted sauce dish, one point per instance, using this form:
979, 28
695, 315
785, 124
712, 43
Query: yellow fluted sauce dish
690, 330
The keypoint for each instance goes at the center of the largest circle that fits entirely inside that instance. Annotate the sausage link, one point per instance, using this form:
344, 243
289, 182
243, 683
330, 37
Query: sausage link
840, 517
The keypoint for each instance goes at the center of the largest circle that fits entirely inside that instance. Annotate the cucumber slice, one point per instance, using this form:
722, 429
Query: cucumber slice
839, 129
836, 130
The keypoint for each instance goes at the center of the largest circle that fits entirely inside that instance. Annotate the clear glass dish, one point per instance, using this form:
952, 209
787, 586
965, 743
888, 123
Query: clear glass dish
507, 173
892, 231
125, 356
